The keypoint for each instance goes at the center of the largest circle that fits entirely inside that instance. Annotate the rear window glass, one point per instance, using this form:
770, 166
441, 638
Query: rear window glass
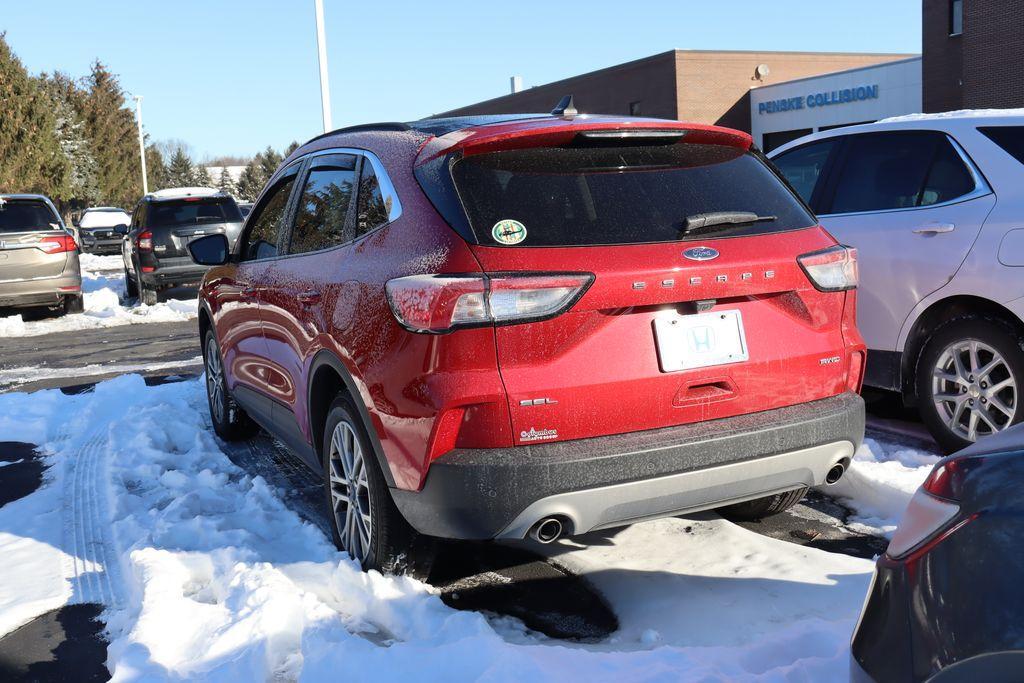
621, 195
26, 216
192, 210
1010, 138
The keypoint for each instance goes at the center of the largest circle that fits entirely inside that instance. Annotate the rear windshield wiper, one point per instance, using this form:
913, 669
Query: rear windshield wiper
700, 221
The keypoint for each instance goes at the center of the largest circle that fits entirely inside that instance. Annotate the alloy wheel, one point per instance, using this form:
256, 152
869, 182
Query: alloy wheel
214, 380
350, 492
974, 390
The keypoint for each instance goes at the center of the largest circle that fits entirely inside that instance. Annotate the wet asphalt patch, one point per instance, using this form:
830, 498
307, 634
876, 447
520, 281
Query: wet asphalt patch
21, 470
488, 577
66, 644
819, 522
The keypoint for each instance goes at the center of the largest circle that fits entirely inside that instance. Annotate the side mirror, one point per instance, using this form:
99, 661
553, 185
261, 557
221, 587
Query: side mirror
211, 250
121, 229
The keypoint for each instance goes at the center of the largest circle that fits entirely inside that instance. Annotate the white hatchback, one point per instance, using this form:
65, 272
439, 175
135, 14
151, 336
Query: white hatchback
935, 206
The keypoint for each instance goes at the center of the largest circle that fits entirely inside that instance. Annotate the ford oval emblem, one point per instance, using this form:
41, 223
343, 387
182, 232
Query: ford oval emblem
701, 253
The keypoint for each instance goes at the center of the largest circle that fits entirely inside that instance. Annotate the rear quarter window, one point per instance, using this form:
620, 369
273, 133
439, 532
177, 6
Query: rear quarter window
1010, 138
571, 196
27, 216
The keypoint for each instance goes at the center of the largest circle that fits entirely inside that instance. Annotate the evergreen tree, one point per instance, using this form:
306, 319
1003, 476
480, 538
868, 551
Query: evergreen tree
31, 159
179, 171
81, 186
249, 184
113, 132
290, 148
226, 183
201, 176
156, 169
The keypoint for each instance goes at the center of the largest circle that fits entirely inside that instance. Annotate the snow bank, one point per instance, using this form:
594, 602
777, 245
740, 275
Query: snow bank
216, 579
880, 482
102, 287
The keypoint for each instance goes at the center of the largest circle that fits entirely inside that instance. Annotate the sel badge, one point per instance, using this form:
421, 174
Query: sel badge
508, 231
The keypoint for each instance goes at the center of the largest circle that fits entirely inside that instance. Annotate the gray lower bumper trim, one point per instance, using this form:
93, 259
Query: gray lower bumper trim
685, 492
479, 493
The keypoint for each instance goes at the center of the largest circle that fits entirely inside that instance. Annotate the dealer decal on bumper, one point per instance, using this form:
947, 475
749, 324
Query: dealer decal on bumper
538, 434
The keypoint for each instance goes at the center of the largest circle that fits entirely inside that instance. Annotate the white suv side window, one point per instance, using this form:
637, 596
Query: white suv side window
899, 170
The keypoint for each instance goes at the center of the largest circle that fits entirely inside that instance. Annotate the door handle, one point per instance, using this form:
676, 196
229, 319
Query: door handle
934, 229
308, 297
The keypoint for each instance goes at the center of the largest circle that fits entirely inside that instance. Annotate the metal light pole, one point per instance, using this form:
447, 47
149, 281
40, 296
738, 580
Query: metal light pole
142, 143
321, 44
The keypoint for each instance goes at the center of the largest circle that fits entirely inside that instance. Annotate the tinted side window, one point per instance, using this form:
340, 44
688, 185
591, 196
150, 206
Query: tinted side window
260, 240
373, 208
948, 177
883, 171
1010, 138
802, 167
321, 219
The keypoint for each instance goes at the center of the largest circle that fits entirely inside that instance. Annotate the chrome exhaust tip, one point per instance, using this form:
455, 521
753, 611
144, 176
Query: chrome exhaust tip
547, 530
835, 474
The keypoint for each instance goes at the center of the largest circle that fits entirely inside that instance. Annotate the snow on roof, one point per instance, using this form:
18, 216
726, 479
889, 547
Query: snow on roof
175, 192
958, 114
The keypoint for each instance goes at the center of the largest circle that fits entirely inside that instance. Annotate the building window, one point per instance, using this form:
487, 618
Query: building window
634, 108
956, 17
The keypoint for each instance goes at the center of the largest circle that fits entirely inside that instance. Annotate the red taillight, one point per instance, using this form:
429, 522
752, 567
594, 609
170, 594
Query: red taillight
57, 245
946, 479
831, 270
931, 513
441, 303
144, 241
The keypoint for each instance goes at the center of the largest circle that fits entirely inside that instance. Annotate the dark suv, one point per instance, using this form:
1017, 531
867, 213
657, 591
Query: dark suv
155, 251
541, 325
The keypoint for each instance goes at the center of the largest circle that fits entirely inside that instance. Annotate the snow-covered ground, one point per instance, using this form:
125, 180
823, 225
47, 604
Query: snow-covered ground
207, 575
103, 288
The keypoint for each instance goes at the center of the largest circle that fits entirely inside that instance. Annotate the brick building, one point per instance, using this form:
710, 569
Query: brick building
972, 54
692, 85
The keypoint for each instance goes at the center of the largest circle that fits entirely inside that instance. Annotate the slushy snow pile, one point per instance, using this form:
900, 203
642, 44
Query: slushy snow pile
207, 575
102, 287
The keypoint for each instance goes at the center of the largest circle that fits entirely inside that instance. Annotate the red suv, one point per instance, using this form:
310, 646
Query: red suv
540, 325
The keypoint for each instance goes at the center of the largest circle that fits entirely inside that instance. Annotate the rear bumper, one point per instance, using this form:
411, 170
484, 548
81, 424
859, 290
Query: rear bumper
101, 246
614, 480
48, 291
177, 271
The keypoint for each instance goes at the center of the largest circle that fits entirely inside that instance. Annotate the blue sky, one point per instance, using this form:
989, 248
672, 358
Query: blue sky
232, 76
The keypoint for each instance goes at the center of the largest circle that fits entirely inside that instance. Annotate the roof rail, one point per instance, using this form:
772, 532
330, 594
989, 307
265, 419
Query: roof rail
387, 125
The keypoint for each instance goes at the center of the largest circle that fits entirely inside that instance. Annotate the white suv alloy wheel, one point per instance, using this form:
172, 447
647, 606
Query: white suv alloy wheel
974, 390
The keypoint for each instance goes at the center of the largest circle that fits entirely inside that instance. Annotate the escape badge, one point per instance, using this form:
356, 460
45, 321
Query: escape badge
508, 231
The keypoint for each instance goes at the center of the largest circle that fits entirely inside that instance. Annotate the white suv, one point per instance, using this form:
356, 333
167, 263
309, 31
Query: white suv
935, 206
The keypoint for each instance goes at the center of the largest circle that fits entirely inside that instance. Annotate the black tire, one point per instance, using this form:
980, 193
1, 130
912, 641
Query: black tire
389, 545
759, 508
131, 289
74, 303
997, 336
230, 422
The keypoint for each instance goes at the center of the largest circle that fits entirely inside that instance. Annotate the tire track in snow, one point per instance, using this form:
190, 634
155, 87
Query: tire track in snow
92, 561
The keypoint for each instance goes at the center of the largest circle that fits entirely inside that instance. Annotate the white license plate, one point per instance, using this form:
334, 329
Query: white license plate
699, 340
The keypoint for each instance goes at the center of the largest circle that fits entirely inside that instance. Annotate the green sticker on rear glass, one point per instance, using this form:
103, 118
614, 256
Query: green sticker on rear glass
508, 231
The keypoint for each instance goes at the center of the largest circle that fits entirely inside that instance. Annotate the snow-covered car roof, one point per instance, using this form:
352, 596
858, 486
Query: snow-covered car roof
179, 192
949, 121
